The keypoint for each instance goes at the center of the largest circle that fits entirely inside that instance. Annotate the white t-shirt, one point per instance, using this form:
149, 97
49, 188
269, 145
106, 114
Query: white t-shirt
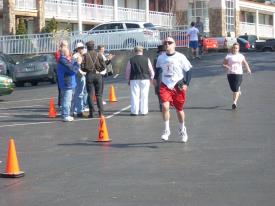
235, 63
173, 68
105, 70
193, 32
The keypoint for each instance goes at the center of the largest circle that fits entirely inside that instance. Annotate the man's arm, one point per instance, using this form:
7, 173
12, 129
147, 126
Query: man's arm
71, 67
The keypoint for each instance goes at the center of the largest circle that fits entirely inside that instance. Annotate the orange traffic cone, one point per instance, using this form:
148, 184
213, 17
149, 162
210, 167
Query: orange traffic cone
52, 111
112, 94
103, 135
12, 168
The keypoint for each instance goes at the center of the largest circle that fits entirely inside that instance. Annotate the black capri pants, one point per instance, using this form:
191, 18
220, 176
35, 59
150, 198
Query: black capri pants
235, 81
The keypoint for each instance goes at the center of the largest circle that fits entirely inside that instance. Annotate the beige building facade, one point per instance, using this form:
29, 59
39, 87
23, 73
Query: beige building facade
220, 17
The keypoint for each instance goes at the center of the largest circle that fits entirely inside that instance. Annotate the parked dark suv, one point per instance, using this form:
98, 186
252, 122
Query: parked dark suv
251, 39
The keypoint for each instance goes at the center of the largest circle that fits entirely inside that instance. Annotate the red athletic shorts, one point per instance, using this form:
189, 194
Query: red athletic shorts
175, 96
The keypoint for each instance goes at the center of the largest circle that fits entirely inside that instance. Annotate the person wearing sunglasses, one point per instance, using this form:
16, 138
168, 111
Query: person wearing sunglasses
233, 64
175, 79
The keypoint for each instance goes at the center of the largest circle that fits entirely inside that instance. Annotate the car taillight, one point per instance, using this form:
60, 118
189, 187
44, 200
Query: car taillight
2, 68
247, 45
45, 66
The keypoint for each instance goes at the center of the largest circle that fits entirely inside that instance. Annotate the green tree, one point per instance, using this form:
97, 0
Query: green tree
51, 26
21, 29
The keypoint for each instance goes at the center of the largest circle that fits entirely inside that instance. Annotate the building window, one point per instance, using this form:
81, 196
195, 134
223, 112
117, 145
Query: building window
265, 19
199, 9
250, 17
230, 15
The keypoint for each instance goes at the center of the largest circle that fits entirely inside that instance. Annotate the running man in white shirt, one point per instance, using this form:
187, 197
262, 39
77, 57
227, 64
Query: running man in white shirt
233, 64
175, 79
193, 34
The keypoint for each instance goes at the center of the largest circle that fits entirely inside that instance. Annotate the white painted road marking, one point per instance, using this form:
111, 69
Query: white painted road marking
25, 100
77, 120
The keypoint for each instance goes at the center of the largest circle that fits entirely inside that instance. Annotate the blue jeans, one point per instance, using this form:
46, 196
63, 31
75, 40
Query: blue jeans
79, 94
67, 96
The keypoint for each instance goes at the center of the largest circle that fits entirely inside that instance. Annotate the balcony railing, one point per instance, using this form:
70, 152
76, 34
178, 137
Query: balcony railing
102, 13
25, 5
264, 31
48, 43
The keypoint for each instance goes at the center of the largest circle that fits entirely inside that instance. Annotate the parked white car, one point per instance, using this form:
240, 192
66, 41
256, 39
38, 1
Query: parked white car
118, 34
225, 42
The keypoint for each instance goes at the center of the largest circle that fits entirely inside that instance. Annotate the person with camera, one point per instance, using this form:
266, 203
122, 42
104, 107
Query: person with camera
175, 79
94, 64
108, 71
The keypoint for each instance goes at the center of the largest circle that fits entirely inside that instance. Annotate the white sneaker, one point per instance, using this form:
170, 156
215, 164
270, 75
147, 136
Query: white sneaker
165, 135
103, 102
68, 119
86, 109
183, 134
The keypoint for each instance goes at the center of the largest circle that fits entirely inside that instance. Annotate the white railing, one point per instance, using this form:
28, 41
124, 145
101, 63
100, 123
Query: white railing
48, 43
1, 4
248, 28
25, 5
102, 13
264, 31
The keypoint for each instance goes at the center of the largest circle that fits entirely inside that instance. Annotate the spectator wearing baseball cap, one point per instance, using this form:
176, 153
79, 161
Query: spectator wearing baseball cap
94, 64
80, 95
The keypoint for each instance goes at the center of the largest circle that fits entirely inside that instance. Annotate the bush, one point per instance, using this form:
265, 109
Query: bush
50, 27
21, 29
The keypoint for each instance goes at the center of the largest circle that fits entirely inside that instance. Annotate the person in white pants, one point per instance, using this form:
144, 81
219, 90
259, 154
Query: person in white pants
139, 73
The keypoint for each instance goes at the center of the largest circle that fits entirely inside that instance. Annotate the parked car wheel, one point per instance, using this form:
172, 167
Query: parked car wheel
54, 78
267, 50
34, 83
19, 84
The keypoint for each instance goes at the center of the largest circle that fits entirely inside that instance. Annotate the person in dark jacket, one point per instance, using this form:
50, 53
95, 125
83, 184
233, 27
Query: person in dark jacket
93, 65
63, 44
66, 72
139, 72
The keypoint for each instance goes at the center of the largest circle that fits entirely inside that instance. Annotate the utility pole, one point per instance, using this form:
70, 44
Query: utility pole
79, 16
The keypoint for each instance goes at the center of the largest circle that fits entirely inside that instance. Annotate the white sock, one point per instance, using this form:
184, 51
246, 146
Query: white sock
166, 124
181, 125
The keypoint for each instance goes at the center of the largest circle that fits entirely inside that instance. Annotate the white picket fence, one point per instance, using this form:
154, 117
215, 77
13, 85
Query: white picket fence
48, 43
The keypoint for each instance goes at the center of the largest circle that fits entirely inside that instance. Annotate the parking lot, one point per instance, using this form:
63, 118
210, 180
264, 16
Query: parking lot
228, 160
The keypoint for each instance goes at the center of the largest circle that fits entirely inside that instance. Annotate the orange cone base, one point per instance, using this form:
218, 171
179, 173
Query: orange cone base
109, 140
8, 175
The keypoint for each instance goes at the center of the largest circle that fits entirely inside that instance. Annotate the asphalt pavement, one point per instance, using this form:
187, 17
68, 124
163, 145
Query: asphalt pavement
229, 159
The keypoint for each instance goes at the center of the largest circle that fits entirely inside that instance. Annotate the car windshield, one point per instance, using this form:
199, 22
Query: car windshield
149, 26
242, 40
35, 59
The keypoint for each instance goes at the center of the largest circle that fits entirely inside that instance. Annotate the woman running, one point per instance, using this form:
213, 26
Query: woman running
233, 64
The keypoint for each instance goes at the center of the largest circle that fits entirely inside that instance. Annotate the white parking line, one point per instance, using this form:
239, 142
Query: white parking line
29, 106
116, 76
118, 112
77, 120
